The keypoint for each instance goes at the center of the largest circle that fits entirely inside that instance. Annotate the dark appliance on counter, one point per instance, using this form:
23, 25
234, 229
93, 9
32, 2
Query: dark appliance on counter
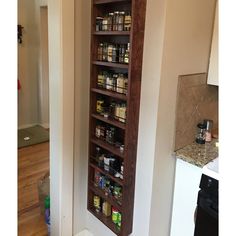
207, 208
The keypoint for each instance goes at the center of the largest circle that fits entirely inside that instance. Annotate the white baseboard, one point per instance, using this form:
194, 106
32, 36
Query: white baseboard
44, 125
26, 126
84, 233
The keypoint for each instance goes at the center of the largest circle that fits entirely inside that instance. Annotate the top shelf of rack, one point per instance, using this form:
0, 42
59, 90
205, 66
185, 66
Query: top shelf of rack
97, 2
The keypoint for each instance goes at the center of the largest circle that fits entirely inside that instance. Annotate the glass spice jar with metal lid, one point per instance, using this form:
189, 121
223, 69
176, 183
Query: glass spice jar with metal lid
110, 21
120, 84
127, 21
126, 56
114, 53
121, 21
115, 21
99, 21
100, 52
121, 53
109, 52
101, 83
104, 51
201, 133
105, 23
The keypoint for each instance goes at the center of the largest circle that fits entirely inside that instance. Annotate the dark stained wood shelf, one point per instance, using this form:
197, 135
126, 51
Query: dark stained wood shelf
105, 220
128, 132
112, 33
112, 200
110, 93
108, 147
109, 121
97, 2
117, 180
111, 64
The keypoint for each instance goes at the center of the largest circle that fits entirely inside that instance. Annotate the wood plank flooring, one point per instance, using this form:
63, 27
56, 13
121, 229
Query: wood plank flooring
33, 164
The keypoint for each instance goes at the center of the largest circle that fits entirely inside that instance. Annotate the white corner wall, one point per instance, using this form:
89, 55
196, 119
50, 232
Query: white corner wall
61, 77
28, 67
186, 50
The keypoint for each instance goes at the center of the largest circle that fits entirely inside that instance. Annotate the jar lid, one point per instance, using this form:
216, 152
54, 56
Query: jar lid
201, 126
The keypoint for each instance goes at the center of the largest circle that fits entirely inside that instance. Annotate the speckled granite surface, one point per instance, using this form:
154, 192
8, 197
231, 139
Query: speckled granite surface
198, 154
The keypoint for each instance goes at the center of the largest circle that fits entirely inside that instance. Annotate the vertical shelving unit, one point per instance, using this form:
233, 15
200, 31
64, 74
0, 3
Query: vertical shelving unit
124, 147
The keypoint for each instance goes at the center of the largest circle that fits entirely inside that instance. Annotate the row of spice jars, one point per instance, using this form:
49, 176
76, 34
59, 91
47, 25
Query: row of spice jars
113, 81
105, 207
109, 187
114, 110
114, 21
108, 134
116, 53
109, 163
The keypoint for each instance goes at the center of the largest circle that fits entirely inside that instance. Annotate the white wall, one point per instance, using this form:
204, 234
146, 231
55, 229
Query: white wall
186, 50
33, 98
61, 76
28, 67
44, 70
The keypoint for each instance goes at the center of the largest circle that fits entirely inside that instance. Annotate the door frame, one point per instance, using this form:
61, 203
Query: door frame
61, 110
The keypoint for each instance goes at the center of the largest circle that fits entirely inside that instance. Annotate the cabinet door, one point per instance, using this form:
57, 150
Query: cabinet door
187, 180
213, 66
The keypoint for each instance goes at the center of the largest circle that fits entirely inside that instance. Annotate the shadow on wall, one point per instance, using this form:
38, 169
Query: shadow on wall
196, 101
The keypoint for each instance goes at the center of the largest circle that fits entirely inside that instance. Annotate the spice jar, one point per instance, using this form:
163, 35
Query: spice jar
114, 53
101, 80
115, 217
120, 84
110, 135
121, 18
126, 56
127, 21
105, 23
122, 113
200, 137
126, 84
110, 21
100, 52
208, 124
121, 53
109, 52
104, 52
115, 21
96, 203
99, 21
106, 208
115, 77
109, 82
100, 106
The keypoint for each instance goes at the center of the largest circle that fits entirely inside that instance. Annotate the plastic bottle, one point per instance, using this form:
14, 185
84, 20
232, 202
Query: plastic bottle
47, 213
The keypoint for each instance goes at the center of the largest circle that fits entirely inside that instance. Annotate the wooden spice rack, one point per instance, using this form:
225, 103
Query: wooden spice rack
129, 129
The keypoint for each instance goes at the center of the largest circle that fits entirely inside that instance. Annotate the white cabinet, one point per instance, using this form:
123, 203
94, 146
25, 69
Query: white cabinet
187, 180
213, 64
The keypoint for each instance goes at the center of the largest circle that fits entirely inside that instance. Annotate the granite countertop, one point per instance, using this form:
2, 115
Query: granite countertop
198, 154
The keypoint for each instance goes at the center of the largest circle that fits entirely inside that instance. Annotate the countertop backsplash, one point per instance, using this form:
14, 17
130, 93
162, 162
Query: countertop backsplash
196, 101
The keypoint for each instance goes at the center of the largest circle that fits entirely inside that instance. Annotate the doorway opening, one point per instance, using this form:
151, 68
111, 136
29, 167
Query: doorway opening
33, 119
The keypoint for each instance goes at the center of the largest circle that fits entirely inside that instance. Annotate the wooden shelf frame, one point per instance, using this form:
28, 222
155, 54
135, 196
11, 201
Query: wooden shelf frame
134, 70
97, 2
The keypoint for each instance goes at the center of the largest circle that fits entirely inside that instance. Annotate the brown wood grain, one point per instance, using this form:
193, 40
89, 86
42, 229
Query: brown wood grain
33, 164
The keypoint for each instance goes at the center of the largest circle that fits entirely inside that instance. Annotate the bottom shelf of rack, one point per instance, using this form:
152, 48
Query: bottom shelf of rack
105, 220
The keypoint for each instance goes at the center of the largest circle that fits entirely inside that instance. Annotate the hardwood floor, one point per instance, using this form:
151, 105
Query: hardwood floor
33, 164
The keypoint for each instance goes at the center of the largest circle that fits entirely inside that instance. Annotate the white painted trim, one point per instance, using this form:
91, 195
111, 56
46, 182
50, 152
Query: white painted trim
45, 125
84, 233
27, 125
43, 3
61, 93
